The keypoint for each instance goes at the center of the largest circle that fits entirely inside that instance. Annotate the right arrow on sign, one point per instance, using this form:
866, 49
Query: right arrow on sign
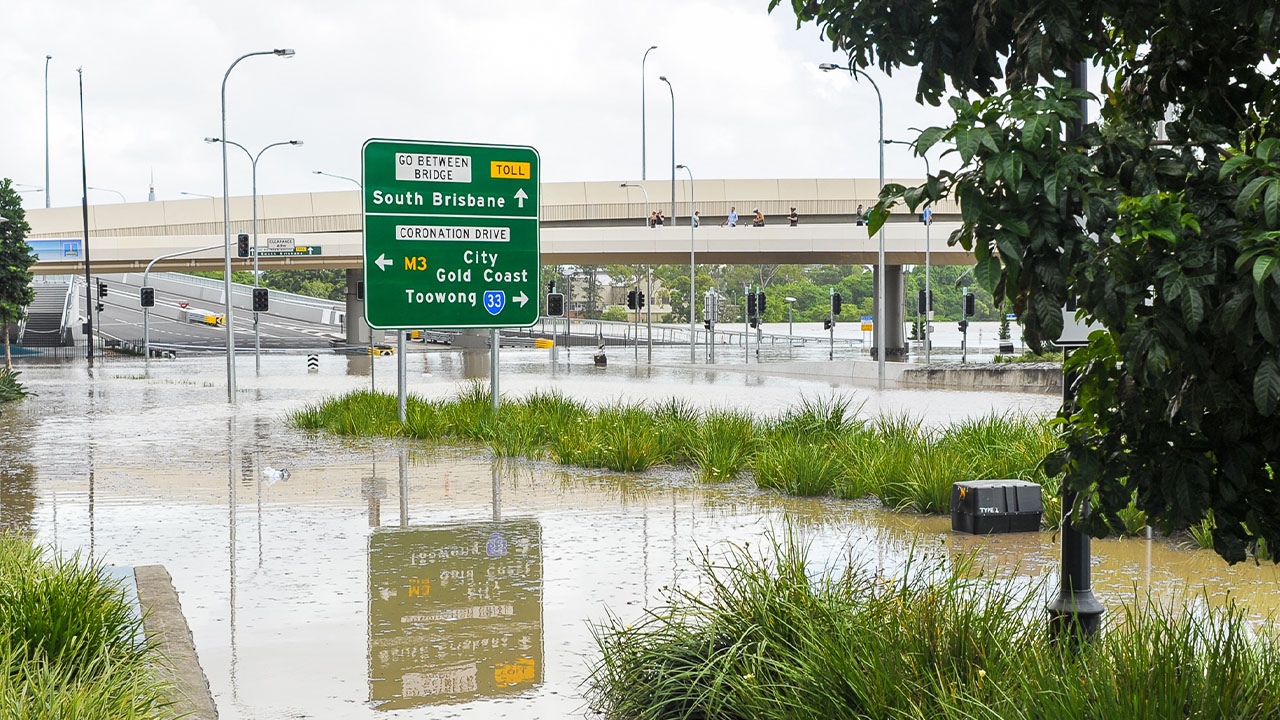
521, 197
382, 262
521, 298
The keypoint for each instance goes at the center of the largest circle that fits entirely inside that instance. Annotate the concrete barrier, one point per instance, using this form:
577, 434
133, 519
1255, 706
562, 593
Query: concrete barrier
1011, 377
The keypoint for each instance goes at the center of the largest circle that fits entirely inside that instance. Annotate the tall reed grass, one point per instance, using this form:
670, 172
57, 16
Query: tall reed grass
946, 640
819, 447
67, 641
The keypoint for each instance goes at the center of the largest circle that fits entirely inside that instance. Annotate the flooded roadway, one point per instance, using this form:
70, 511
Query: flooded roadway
385, 579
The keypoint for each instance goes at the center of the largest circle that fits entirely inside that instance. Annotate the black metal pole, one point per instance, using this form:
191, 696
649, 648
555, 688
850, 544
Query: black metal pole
84, 210
1075, 613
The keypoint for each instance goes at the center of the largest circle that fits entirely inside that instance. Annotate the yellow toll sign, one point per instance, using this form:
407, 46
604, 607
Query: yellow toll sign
510, 170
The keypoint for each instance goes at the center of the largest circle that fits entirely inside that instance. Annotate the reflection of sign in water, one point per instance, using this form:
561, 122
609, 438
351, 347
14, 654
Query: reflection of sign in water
455, 612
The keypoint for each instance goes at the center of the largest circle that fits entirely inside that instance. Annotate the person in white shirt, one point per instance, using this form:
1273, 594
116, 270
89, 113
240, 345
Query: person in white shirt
697, 218
733, 217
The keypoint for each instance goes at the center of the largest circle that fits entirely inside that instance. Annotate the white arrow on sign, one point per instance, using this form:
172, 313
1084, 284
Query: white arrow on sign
521, 197
521, 298
382, 262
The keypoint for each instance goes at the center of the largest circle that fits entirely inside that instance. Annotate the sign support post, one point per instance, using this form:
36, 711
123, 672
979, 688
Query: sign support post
493, 368
401, 375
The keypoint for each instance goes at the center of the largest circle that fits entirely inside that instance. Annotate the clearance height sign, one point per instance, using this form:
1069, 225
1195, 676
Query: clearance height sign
450, 235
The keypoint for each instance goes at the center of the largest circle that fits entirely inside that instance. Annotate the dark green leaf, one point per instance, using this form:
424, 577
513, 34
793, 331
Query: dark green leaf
1266, 386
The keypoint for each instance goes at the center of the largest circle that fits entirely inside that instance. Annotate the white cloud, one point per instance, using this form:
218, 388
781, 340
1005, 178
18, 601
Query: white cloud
561, 76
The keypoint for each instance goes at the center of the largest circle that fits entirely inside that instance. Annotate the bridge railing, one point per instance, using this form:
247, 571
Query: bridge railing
626, 333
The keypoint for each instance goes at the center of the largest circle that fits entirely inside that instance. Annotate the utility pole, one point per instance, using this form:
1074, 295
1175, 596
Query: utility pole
1075, 613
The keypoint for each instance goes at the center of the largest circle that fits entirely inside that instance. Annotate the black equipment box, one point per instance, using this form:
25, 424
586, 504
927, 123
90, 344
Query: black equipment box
995, 506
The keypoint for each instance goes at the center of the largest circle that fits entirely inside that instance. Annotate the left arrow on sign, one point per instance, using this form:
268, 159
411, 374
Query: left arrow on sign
382, 262
521, 197
521, 298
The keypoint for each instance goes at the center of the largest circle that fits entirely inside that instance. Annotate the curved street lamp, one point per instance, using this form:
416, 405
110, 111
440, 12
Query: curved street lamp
692, 353
664, 79
102, 189
340, 177
253, 164
226, 226
880, 307
644, 155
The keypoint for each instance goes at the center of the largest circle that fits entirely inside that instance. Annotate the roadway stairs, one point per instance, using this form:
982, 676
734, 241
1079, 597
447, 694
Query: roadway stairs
44, 326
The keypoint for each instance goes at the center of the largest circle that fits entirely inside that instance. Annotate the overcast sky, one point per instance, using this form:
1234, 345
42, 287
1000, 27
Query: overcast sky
563, 76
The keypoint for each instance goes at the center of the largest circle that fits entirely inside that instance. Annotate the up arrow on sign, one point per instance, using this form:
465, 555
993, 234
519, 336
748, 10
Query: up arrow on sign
382, 262
521, 197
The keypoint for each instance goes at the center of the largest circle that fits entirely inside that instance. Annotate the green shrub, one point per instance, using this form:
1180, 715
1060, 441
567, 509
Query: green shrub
68, 641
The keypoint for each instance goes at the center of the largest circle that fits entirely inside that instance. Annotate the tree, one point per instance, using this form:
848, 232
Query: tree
16, 260
1172, 246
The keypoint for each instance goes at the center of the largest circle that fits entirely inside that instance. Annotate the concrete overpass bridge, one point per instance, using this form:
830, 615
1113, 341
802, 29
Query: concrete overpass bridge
582, 223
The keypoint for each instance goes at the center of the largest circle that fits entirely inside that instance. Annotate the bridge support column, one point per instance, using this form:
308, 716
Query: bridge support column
895, 300
357, 329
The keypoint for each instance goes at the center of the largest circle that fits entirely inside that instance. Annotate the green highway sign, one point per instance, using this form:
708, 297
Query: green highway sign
300, 250
450, 235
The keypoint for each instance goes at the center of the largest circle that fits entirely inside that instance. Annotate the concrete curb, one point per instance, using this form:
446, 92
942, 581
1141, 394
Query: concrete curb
167, 627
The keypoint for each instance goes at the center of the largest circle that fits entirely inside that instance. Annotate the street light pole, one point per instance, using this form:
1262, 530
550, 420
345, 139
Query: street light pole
226, 227
692, 356
47, 58
664, 79
253, 167
184, 192
880, 307
648, 274
644, 155
928, 288
84, 210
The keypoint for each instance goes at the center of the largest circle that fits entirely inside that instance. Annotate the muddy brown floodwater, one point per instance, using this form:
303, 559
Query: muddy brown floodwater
382, 578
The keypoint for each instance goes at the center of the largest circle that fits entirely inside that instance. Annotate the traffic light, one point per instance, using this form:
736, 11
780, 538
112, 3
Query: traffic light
964, 326
835, 304
924, 303
147, 297
260, 302
639, 299
98, 307
555, 304
707, 323
102, 289
826, 323
631, 300
242, 245
751, 304
755, 323
760, 303
551, 286
968, 304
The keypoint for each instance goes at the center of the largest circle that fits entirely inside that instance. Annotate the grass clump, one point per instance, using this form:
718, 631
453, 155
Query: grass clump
819, 447
10, 388
68, 646
946, 640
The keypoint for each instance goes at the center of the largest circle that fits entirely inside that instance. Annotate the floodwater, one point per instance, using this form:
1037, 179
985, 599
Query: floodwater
389, 579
